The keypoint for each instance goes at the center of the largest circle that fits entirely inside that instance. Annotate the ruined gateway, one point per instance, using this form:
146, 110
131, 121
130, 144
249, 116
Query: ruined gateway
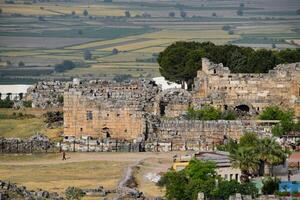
140, 110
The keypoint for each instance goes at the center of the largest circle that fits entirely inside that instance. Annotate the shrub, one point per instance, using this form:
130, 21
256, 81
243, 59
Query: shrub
270, 185
73, 193
27, 104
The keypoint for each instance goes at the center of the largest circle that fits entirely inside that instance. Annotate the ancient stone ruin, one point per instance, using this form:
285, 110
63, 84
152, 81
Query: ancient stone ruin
139, 112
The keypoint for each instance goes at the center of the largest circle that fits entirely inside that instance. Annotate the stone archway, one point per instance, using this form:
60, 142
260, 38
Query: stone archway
242, 108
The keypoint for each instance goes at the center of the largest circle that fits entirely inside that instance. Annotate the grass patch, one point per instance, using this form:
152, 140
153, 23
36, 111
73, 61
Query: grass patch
25, 127
57, 177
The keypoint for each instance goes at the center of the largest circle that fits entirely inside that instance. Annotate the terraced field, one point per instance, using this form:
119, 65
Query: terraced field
45, 34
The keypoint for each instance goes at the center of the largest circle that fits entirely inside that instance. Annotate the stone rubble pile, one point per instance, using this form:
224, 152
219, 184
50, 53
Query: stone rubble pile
10, 190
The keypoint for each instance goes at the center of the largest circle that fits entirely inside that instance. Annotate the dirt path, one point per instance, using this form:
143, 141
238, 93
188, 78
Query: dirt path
83, 157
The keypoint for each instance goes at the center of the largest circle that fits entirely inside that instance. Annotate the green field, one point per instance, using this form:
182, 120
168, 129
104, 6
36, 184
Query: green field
44, 34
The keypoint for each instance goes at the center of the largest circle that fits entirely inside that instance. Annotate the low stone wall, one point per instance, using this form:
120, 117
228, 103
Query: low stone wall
102, 145
35, 144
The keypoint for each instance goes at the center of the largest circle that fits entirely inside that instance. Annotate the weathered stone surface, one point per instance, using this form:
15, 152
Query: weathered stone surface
215, 85
7, 188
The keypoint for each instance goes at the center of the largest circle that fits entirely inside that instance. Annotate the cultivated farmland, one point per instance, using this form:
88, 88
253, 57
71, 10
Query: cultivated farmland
125, 37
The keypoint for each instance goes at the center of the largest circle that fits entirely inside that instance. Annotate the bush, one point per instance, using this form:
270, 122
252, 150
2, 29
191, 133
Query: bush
73, 193
208, 112
87, 54
27, 104
270, 185
6, 103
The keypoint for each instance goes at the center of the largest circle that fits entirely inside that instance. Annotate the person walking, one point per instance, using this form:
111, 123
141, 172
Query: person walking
64, 155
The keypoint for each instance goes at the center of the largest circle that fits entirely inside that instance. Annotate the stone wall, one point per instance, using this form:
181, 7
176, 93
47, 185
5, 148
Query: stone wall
109, 110
216, 85
35, 144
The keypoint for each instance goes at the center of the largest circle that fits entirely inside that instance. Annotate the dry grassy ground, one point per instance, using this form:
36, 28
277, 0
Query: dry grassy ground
25, 128
85, 170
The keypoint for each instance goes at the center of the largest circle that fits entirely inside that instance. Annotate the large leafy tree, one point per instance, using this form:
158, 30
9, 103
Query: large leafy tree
181, 60
286, 124
200, 176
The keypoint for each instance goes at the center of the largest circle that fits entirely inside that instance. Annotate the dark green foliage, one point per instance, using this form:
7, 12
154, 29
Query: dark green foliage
181, 60
27, 104
18, 115
183, 14
127, 14
270, 185
73, 193
252, 152
275, 113
227, 188
226, 27
210, 113
122, 77
286, 124
240, 12
85, 13
60, 99
171, 14
52, 117
6, 103
65, 65
87, 54
200, 176
21, 64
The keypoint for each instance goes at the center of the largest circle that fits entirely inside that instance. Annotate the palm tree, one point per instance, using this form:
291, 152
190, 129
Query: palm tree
245, 158
270, 153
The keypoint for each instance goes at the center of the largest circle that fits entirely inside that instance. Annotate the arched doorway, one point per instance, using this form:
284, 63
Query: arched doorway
242, 108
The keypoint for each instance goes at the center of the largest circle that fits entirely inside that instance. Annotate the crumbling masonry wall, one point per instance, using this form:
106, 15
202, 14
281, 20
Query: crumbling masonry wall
216, 85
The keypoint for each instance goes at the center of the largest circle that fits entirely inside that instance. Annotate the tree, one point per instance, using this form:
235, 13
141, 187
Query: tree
214, 14
73, 193
108, 1
298, 12
21, 64
270, 185
87, 55
240, 12
40, 18
181, 61
127, 14
85, 13
270, 153
73, 13
226, 27
65, 65
183, 14
172, 14
115, 51
227, 188
245, 158
242, 5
